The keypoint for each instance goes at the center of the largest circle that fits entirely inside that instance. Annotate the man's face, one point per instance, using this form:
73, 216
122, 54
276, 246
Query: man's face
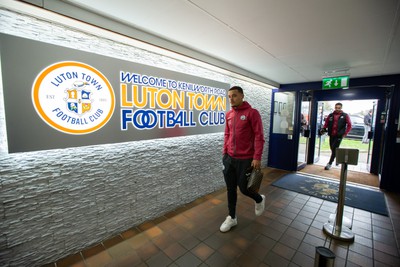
338, 108
235, 98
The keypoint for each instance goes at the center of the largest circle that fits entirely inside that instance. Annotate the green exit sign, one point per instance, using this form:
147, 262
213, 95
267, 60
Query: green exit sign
335, 82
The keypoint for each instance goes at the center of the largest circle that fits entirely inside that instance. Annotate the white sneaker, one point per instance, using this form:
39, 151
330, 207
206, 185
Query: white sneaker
260, 206
328, 166
228, 224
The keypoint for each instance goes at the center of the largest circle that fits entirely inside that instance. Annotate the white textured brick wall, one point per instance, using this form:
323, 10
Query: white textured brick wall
55, 203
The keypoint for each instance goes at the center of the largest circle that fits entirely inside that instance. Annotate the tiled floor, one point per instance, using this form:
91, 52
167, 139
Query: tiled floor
285, 235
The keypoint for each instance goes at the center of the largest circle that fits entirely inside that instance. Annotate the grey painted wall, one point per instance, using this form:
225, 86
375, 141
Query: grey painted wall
57, 202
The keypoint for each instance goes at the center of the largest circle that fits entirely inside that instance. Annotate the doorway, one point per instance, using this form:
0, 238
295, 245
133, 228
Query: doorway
357, 138
284, 148
360, 137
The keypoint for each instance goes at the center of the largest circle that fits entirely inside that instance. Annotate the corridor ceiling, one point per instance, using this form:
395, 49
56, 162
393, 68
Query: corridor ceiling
285, 41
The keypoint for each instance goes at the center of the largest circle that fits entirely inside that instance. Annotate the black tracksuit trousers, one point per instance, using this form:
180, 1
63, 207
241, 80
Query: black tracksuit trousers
334, 142
236, 173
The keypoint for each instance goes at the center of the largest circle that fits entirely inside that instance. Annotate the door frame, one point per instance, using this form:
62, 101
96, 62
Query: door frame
361, 94
280, 144
283, 147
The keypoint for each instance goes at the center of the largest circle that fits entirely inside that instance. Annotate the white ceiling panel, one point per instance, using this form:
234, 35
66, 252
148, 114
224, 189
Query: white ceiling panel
286, 41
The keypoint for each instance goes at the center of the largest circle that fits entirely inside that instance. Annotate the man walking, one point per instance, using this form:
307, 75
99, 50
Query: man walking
243, 147
338, 125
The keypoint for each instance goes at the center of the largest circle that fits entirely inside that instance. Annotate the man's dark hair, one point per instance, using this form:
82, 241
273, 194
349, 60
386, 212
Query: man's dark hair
240, 90
338, 103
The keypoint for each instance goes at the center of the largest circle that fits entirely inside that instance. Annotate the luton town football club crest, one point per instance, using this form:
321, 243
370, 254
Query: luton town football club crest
78, 99
73, 97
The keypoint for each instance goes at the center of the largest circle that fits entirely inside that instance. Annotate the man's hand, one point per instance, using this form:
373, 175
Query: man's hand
256, 164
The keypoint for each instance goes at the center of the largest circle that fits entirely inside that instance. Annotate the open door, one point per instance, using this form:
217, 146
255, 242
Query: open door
304, 132
283, 147
370, 134
318, 137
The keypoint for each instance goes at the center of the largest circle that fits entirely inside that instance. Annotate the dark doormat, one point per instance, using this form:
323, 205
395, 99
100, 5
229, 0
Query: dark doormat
357, 197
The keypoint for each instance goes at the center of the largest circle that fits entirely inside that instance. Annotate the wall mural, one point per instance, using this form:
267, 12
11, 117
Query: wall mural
57, 97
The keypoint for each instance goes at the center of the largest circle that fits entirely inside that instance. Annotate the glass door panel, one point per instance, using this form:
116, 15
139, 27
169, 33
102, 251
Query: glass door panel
304, 133
283, 119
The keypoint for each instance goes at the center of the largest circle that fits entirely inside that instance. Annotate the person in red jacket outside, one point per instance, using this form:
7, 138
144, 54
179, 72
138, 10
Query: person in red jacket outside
242, 151
338, 125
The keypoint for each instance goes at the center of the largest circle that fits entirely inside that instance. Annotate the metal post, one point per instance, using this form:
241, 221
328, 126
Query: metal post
369, 149
342, 191
337, 230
